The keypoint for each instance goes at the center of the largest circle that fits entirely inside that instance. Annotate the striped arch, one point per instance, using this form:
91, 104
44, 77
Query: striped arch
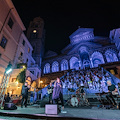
111, 55
64, 65
55, 66
74, 63
46, 68
96, 59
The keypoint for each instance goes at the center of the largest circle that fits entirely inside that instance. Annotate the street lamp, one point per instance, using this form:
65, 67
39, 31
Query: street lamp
9, 68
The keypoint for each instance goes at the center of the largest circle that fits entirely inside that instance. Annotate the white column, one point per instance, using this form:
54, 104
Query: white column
79, 63
91, 62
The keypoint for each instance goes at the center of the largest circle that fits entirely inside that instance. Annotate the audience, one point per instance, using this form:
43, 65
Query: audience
92, 79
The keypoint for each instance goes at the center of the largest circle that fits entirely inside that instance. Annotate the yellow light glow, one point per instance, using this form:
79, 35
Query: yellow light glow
41, 81
23, 66
17, 82
10, 92
34, 31
45, 85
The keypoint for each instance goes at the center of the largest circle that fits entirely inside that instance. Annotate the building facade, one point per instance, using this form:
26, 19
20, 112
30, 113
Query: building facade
15, 47
23, 56
84, 51
36, 36
11, 28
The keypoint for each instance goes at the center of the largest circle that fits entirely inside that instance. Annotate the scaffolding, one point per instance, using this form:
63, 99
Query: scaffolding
3, 88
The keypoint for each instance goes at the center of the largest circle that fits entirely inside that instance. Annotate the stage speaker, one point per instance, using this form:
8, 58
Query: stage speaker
51, 109
10, 106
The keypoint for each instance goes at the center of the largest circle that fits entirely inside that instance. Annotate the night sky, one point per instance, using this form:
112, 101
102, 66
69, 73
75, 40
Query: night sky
62, 18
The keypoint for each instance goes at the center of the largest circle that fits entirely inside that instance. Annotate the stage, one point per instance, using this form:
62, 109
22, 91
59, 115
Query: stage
83, 113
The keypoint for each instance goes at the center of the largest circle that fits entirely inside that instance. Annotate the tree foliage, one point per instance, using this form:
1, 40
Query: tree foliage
21, 76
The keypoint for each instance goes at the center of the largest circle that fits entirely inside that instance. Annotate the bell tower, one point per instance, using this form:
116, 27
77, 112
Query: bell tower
36, 36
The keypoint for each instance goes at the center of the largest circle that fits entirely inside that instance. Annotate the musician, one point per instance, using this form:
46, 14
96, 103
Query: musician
58, 92
119, 88
50, 91
81, 91
112, 90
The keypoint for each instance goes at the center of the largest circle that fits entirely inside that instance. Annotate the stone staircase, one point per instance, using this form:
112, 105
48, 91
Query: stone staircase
92, 98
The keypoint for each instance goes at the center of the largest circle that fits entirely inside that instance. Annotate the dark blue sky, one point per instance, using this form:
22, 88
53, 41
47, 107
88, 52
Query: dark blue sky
62, 17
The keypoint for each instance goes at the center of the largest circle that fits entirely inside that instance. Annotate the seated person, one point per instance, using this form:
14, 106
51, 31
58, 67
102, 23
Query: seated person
7, 99
111, 92
16, 97
82, 92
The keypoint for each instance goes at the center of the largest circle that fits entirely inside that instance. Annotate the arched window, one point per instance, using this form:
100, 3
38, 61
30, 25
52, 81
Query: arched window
96, 59
96, 62
64, 65
47, 68
74, 63
111, 56
55, 66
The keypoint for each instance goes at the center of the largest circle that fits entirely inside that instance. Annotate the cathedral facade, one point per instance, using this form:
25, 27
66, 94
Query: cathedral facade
84, 51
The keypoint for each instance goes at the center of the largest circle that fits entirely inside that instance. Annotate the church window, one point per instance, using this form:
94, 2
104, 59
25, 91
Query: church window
64, 65
55, 66
46, 68
96, 62
96, 59
74, 63
111, 56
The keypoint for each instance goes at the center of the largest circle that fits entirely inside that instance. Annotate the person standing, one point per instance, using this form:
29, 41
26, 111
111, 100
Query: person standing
50, 91
25, 89
58, 93
112, 90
